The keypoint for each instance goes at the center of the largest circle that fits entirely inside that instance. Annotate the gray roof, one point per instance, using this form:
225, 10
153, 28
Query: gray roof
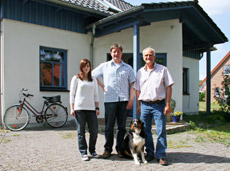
121, 4
102, 5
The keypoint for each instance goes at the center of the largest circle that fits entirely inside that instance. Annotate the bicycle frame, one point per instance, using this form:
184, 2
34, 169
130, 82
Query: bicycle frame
31, 108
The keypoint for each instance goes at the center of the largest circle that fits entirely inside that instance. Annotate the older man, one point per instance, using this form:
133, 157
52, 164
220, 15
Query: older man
153, 92
118, 78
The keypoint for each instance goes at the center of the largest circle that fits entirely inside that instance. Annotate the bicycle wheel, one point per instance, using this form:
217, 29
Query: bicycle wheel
15, 118
56, 115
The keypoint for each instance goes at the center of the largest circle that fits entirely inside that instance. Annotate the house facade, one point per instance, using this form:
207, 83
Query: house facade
43, 41
221, 69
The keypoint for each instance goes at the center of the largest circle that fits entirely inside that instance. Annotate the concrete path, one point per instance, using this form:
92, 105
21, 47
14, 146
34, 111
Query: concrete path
56, 149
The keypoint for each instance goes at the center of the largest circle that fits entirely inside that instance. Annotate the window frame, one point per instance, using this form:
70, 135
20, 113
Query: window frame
217, 92
52, 87
130, 58
185, 80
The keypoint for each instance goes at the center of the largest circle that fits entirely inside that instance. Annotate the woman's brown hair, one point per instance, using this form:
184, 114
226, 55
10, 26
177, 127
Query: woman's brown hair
83, 63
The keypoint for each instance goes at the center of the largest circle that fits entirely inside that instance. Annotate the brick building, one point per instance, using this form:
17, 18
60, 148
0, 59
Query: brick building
223, 67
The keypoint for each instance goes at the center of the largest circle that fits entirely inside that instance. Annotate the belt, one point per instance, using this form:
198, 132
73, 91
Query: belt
153, 102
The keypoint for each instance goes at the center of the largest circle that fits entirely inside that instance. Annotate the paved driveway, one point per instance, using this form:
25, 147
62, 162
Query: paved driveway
57, 150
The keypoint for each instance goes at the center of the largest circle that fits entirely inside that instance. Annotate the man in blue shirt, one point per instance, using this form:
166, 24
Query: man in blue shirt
118, 78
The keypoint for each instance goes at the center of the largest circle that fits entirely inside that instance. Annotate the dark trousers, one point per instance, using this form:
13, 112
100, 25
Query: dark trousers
89, 117
115, 111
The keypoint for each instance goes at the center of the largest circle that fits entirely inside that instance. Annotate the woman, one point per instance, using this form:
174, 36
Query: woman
84, 106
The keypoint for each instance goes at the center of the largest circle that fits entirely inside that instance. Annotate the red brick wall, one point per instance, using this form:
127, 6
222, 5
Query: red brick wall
217, 79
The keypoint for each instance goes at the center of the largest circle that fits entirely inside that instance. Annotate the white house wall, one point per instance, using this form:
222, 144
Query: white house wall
191, 101
164, 37
20, 57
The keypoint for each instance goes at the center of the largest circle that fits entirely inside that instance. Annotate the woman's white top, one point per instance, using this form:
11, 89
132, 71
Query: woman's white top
83, 94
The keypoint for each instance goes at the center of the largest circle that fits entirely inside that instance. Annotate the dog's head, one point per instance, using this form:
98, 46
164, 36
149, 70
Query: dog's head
137, 124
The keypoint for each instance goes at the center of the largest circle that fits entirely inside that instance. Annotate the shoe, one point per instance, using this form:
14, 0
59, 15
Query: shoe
85, 157
106, 155
163, 162
149, 158
119, 154
94, 155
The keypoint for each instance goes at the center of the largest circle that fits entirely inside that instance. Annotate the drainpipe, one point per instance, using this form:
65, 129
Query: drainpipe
91, 44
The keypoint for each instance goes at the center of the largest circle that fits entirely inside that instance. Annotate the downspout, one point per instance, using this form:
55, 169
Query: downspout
91, 45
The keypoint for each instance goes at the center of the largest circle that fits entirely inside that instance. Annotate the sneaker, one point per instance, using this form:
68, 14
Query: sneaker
85, 157
149, 158
106, 155
94, 155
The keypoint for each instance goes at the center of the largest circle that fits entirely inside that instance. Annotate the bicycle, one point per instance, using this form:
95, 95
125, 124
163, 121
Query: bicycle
17, 116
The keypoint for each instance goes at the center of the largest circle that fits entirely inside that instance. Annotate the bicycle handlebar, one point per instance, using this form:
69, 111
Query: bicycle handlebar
27, 95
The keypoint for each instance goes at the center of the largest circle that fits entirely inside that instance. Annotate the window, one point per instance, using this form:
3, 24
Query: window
217, 92
185, 81
53, 69
161, 59
226, 70
128, 58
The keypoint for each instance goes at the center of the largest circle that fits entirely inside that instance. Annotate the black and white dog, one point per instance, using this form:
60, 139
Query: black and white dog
134, 141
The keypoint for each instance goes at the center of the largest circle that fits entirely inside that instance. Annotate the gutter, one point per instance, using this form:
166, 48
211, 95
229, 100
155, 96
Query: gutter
116, 16
91, 44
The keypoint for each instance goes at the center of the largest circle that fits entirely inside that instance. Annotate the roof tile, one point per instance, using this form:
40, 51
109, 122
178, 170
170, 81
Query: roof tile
100, 6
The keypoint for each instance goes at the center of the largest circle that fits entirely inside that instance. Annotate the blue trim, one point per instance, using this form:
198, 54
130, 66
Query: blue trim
136, 58
208, 81
118, 27
195, 54
1, 9
46, 14
53, 87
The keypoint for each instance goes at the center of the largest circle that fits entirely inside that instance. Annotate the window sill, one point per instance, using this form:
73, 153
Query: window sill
186, 94
54, 89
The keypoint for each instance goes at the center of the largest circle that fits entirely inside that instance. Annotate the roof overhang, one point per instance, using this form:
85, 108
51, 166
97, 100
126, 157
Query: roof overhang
199, 30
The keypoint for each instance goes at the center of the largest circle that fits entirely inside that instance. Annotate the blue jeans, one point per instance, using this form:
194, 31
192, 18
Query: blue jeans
89, 117
156, 112
114, 111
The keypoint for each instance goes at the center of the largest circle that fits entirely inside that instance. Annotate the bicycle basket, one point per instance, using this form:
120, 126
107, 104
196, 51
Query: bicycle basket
54, 99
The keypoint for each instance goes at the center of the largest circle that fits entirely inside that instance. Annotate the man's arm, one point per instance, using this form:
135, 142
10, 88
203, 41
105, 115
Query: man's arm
101, 85
168, 99
138, 102
132, 94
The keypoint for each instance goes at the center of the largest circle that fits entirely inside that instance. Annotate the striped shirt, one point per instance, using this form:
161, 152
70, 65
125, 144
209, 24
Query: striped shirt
153, 84
117, 79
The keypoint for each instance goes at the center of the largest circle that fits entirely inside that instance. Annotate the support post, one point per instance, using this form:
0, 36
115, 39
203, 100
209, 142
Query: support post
136, 59
208, 81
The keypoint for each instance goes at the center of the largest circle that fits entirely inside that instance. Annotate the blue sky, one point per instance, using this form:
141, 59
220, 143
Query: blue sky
218, 11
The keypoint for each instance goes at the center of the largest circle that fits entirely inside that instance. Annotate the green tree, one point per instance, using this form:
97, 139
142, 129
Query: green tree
225, 96
202, 96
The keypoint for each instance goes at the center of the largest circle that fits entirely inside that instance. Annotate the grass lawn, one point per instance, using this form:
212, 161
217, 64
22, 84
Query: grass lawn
213, 128
202, 106
217, 134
